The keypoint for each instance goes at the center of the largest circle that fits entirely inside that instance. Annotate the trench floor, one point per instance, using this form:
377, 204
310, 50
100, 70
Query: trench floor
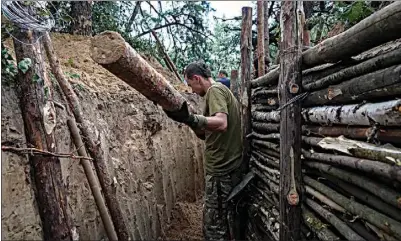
186, 222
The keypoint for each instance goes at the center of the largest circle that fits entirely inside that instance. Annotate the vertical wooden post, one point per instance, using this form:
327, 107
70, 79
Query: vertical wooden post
290, 122
245, 90
38, 113
261, 38
234, 83
266, 35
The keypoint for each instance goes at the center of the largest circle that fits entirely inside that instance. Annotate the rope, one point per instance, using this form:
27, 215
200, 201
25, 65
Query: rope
296, 98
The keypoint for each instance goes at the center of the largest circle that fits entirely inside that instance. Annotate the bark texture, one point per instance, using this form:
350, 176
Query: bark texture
81, 13
378, 219
383, 113
381, 84
111, 51
91, 146
368, 66
290, 124
39, 116
234, 85
261, 38
266, 35
246, 70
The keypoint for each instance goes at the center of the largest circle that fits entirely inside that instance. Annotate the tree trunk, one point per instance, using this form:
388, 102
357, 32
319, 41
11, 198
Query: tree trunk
264, 93
111, 51
269, 79
365, 197
246, 70
341, 227
261, 38
378, 28
268, 145
263, 108
360, 133
234, 86
382, 84
290, 124
272, 186
272, 136
368, 66
273, 174
93, 148
167, 58
317, 226
384, 113
265, 151
273, 116
81, 13
387, 195
379, 220
265, 127
365, 165
92, 180
265, 160
266, 35
39, 115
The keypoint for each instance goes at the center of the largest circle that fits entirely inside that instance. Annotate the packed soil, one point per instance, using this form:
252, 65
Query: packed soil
186, 222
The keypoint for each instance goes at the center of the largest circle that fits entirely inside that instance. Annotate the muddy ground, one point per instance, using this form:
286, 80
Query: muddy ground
156, 163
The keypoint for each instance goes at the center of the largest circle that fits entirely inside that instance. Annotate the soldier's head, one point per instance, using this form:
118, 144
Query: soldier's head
222, 74
198, 77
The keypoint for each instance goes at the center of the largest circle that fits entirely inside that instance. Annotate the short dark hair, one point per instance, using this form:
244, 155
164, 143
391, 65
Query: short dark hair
197, 68
223, 72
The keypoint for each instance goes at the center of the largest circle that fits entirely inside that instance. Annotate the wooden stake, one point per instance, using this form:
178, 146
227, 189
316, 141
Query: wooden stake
266, 35
93, 148
245, 90
39, 115
261, 38
290, 123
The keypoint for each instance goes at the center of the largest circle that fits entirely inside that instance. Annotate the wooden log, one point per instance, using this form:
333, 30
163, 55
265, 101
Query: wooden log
234, 85
263, 108
271, 136
272, 186
361, 149
111, 51
381, 234
273, 116
317, 226
365, 165
167, 58
379, 220
269, 79
273, 173
360, 228
268, 161
383, 83
265, 151
376, 63
360, 133
383, 113
92, 180
324, 199
269, 101
388, 195
245, 89
365, 197
290, 122
268, 145
261, 38
378, 28
35, 92
265, 127
93, 148
341, 227
263, 93
267, 195
313, 141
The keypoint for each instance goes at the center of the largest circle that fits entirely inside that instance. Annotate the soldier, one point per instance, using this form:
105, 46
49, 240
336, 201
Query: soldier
220, 127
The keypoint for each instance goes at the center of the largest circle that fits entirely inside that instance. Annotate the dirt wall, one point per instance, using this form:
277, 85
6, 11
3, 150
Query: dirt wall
154, 162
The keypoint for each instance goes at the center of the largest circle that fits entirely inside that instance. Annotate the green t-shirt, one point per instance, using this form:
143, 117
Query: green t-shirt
223, 149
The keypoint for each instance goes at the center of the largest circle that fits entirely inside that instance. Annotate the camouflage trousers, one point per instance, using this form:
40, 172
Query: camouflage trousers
218, 214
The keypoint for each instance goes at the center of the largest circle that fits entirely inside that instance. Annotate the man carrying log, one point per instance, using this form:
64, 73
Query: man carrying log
220, 127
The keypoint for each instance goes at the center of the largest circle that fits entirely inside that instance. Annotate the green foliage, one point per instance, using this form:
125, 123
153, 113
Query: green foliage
24, 65
36, 79
8, 68
72, 75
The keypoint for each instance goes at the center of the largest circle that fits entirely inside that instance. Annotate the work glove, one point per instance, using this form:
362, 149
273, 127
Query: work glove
184, 116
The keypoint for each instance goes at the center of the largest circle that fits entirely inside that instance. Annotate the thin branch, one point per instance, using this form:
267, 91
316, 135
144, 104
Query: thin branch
132, 18
34, 151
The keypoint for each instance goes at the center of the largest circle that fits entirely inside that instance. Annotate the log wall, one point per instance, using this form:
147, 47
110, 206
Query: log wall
351, 148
